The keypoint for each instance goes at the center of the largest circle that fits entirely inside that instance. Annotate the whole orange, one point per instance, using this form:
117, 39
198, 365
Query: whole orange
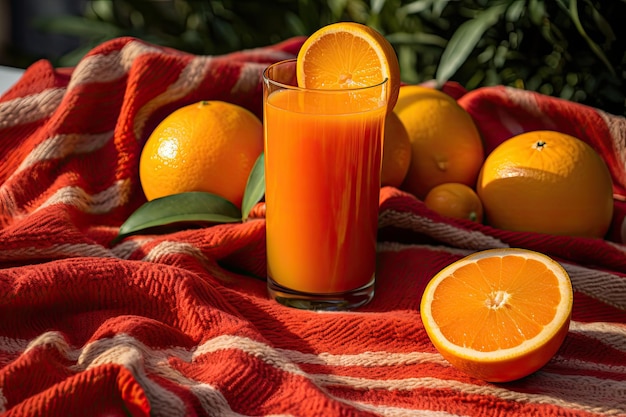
446, 145
208, 146
547, 182
396, 152
453, 199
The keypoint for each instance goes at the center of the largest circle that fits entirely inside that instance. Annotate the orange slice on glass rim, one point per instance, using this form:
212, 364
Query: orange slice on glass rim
499, 314
348, 55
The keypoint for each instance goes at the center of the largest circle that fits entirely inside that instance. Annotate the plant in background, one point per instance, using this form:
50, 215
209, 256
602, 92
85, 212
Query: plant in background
567, 49
563, 48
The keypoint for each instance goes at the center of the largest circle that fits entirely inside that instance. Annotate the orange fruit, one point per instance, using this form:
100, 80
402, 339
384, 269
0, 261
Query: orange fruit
208, 146
348, 55
499, 314
547, 182
453, 199
409, 93
446, 145
396, 152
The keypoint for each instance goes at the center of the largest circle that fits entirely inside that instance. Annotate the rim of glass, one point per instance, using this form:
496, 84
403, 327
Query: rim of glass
329, 90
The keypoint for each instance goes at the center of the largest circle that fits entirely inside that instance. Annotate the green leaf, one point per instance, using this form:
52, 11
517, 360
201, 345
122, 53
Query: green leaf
421, 38
595, 48
464, 40
536, 11
255, 188
295, 24
515, 11
191, 207
602, 24
376, 6
337, 7
416, 6
439, 6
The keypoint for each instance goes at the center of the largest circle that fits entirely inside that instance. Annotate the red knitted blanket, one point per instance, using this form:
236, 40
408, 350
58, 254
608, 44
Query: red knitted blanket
179, 324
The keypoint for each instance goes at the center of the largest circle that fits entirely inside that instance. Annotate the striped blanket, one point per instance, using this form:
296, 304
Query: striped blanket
179, 324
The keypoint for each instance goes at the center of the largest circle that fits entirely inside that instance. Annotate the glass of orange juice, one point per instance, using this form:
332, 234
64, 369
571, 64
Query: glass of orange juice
323, 152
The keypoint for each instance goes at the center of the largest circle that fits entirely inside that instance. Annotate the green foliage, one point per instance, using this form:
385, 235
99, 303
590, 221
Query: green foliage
565, 48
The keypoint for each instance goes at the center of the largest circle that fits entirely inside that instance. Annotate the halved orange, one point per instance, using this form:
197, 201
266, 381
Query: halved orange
348, 55
499, 314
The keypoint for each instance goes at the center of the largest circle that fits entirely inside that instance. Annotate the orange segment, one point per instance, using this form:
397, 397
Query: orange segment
348, 55
499, 314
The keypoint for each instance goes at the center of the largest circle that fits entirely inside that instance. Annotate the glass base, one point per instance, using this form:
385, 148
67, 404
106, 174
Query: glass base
324, 302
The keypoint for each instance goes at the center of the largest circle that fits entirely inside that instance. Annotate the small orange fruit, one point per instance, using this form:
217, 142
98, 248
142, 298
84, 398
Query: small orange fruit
499, 314
208, 146
396, 152
446, 145
547, 182
453, 199
348, 55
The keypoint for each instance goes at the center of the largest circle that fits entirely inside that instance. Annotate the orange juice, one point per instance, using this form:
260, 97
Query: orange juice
322, 176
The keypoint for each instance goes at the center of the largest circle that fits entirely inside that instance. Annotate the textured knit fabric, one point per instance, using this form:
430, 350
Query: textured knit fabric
180, 324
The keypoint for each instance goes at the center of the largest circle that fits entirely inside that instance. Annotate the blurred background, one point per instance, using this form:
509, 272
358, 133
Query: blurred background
574, 49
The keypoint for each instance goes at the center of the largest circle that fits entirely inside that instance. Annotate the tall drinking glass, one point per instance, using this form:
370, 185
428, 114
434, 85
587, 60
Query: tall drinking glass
323, 151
